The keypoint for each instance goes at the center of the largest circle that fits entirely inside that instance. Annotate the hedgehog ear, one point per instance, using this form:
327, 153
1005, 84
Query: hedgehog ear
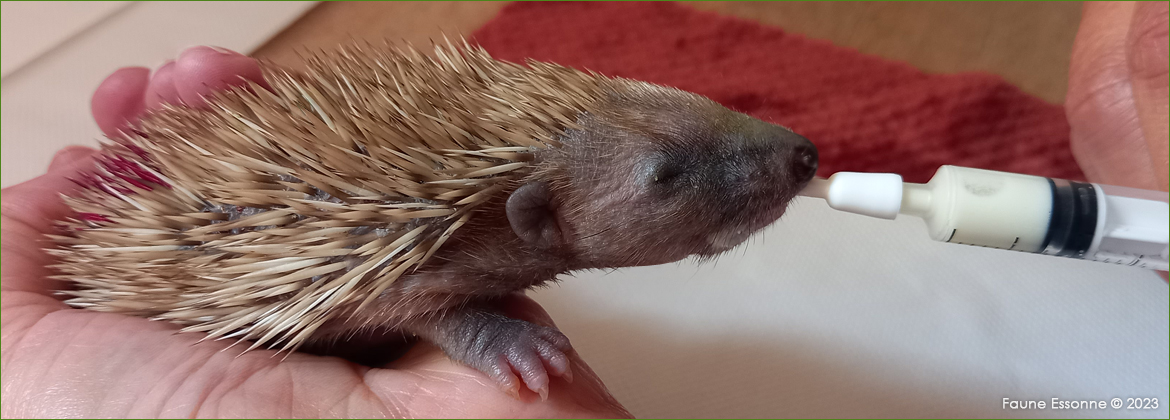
532, 217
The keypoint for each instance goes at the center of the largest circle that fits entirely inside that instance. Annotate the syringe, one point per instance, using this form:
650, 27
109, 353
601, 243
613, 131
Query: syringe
1016, 212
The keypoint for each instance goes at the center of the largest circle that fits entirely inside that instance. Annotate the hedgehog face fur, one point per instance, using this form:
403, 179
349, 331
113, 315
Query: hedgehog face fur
383, 190
659, 175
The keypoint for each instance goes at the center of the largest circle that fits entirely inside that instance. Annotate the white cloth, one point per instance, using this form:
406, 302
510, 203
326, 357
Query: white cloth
828, 314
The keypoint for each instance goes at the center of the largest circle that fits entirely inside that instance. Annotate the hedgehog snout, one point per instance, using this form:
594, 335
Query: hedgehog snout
782, 164
803, 164
790, 154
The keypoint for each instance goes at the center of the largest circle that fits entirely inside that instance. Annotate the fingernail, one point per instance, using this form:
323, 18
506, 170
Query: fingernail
206, 50
164, 65
222, 50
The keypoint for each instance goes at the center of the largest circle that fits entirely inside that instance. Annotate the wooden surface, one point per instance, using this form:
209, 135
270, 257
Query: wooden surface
1028, 43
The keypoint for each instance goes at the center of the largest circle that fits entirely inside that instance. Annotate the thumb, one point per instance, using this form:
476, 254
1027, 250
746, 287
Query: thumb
36, 202
1147, 58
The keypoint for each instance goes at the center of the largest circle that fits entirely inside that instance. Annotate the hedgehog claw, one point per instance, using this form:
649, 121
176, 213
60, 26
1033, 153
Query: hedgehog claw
511, 389
533, 358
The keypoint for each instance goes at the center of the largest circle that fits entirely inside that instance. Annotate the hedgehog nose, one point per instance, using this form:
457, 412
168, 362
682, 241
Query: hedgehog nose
788, 155
799, 156
804, 160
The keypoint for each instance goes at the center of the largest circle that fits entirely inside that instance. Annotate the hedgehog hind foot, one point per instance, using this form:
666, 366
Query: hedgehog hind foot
511, 352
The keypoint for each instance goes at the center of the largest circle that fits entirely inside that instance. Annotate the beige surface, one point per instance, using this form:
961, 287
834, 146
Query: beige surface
1028, 43
46, 100
30, 29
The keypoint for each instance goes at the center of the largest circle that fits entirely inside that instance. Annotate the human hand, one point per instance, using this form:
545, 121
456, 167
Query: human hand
1117, 94
63, 362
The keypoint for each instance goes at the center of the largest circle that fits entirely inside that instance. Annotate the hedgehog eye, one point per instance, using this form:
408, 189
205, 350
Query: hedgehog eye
665, 174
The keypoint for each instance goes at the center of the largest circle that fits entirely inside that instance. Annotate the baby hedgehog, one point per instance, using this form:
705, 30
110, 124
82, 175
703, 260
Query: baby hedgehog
385, 190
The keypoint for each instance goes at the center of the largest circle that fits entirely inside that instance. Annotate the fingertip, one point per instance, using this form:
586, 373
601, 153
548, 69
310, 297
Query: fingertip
117, 102
202, 70
37, 202
1148, 44
1148, 56
69, 156
161, 89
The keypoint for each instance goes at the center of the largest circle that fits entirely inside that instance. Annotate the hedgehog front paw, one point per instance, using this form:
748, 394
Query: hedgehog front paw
510, 351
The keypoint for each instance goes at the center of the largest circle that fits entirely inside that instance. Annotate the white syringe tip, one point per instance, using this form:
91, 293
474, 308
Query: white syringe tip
875, 195
816, 188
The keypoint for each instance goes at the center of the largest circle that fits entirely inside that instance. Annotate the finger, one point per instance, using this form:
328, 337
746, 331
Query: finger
200, 71
29, 210
1106, 136
162, 87
37, 203
26, 264
1149, 65
117, 103
69, 156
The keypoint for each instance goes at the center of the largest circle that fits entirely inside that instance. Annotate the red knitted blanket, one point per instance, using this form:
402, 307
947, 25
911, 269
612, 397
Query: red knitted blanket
864, 113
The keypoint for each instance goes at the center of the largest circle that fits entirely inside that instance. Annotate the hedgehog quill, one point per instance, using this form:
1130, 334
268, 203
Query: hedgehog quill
383, 189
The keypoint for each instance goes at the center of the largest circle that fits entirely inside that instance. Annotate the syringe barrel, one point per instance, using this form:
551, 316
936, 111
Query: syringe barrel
1132, 228
1048, 216
988, 208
